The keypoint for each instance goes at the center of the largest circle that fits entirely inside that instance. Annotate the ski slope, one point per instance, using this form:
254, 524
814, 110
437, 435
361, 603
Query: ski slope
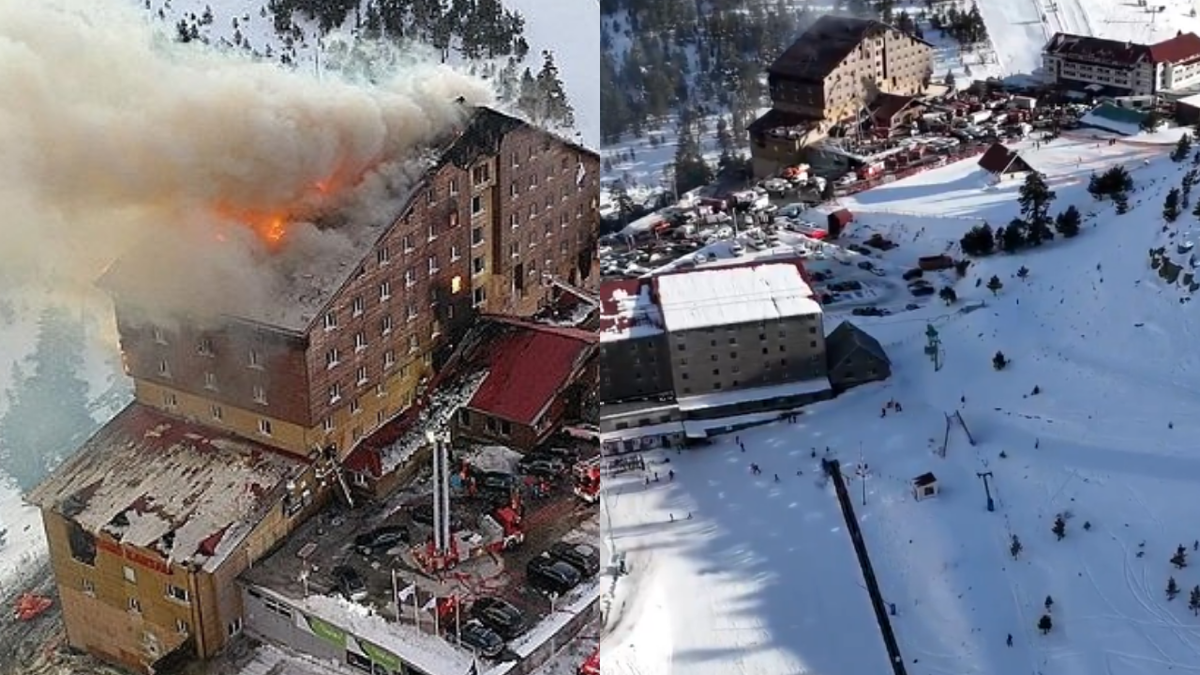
1109, 440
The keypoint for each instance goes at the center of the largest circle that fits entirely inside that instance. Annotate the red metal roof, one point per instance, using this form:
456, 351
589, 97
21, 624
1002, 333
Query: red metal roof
1182, 47
528, 364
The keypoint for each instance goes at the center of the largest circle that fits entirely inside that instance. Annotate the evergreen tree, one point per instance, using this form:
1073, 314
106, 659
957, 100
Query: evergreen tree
554, 107
1044, 624
47, 416
1035, 198
994, 284
1013, 237
1121, 200
1172, 588
1023, 272
999, 361
1194, 600
1015, 548
1048, 604
1179, 560
1182, 148
948, 295
1171, 205
1068, 222
1060, 527
691, 171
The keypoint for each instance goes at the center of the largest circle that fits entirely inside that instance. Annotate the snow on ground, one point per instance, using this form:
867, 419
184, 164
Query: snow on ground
1109, 441
762, 579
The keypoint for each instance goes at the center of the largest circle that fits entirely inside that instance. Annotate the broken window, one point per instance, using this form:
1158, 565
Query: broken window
82, 544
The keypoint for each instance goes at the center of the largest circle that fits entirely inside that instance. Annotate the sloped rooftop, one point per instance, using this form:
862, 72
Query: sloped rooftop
159, 483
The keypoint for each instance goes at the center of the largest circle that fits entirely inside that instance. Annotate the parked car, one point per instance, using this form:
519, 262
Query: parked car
866, 265
583, 557
878, 272
920, 291
481, 639
869, 311
911, 306
542, 467
914, 273
506, 620
496, 480
349, 583
551, 575
380, 539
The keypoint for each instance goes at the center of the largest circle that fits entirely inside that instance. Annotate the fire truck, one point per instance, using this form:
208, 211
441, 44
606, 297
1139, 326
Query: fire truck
591, 666
586, 475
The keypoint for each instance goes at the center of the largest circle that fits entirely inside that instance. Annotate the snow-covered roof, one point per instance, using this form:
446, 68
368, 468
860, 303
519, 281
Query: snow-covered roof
734, 295
725, 398
627, 310
164, 485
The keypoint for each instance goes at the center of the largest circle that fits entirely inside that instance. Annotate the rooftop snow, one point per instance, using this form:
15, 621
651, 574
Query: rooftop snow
734, 295
145, 476
627, 311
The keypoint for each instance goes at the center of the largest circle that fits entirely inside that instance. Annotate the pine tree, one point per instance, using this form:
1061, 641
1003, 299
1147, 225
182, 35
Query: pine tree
1048, 604
1122, 202
1044, 624
1035, 198
554, 106
1023, 272
1194, 600
1171, 205
1182, 148
1015, 236
999, 361
1179, 560
948, 295
1015, 548
1060, 527
1172, 588
1068, 222
994, 284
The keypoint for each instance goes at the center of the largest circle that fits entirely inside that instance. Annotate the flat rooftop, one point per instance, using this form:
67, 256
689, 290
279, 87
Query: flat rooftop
727, 296
628, 311
162, 484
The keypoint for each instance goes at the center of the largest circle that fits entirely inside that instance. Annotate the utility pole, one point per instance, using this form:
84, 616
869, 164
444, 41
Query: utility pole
991, 506
933, 346
861, 472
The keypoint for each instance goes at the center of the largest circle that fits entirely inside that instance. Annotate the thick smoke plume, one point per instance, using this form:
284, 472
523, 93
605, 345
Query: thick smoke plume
111, 134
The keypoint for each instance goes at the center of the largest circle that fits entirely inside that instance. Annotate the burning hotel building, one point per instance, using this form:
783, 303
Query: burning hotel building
240, 422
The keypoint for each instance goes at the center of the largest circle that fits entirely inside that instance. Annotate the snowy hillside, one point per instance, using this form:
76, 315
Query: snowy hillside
1107, 440
565, 28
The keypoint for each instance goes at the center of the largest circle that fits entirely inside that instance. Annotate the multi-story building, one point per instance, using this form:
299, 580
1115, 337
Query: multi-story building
1121, 68
240, 418
832, 73
711, 344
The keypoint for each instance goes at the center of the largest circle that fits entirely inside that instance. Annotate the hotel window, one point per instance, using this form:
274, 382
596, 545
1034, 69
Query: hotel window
413, 343
476, 205
164, 368
382, 256
513, 189
160, 336
514, 160
407, 243
264, 427
385, 291
380, 417
361, 375
130, 574
335, 393
410, 277
205, 347
481, 174
356, 306
355, 406
169, 400
433, 264
260, 394
389, 358
176, 593
330, 321
182, 627
210, 381
453, 187
430, 196
327, 424
380, 390
385, 324
217, 413
514, 221
476, 236
453, 219
135, 605
478, 296
89, 588
360, 341
455, 254
431, 232
412, 312
533, 181
255, 359
478, 265
332, 358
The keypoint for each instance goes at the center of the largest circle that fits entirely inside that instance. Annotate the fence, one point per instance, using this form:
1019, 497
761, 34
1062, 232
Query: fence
868, 572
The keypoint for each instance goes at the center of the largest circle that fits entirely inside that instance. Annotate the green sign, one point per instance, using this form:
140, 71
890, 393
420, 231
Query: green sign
381, 657
326, 631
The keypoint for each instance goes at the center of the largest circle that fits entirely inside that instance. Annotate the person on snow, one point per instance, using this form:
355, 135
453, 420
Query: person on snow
1010, 639
776, 478
671, 474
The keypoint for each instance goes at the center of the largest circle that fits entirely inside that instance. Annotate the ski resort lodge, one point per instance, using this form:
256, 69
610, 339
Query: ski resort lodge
840, 69
1118, 68
685, 354
241, 422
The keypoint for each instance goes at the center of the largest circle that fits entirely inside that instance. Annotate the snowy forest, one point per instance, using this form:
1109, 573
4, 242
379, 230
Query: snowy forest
482, 33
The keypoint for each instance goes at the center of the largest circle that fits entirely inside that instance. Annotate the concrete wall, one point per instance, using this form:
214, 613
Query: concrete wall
635, 368
749, 355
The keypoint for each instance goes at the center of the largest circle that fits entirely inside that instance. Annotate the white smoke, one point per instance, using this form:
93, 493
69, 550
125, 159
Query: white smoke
110, 132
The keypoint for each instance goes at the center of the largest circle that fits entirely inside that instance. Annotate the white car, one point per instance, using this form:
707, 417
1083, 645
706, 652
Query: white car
736, 248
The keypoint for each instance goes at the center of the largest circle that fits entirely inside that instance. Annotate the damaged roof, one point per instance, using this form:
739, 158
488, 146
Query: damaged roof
527, 364
161, 484
826, 43
847, 339
307, 282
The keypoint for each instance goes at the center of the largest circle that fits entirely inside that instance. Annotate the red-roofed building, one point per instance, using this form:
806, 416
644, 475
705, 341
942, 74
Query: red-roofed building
535, 374
1121, 68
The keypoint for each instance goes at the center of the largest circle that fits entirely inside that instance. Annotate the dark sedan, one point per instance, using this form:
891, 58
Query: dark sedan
500, 616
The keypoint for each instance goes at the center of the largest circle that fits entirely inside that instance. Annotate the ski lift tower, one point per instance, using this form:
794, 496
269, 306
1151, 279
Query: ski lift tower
933, 346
